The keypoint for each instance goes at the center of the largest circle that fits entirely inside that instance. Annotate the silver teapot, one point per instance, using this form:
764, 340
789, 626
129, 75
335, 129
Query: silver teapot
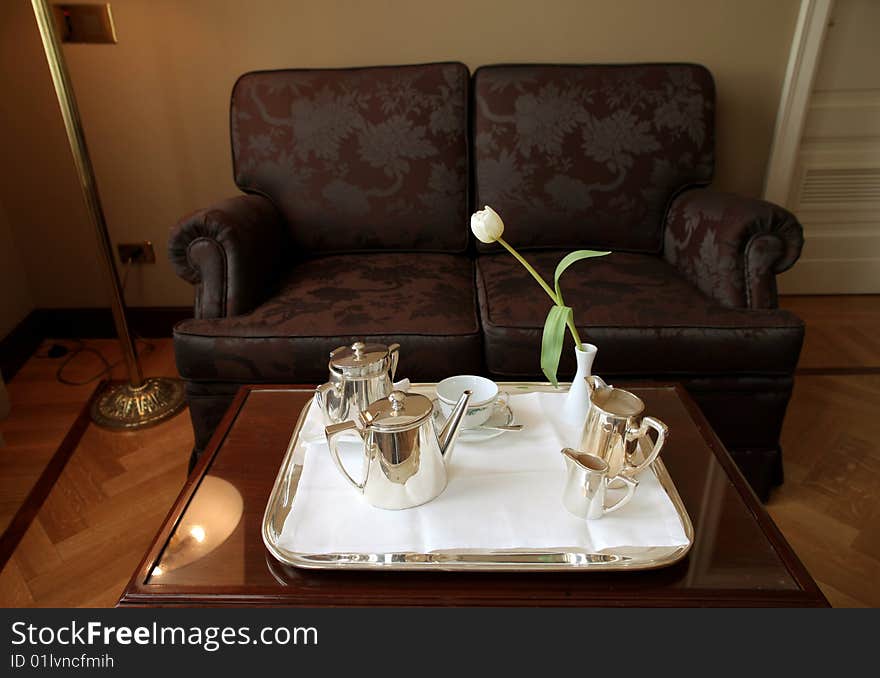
359, 375
404, 456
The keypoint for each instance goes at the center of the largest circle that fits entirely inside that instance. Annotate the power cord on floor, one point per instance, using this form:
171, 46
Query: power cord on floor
81, 348
59, 350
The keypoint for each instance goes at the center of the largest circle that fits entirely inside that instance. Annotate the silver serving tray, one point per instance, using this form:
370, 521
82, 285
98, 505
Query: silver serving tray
514, 560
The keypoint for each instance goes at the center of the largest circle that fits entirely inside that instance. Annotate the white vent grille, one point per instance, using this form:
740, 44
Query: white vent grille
833, 187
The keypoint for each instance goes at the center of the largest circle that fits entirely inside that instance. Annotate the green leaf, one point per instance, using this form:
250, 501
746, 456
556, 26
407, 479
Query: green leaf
567, 261
551, 341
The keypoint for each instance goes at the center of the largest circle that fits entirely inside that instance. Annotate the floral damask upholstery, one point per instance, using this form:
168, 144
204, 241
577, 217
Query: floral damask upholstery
358, 185
578, 156
730, 247
651, 323
647, 319
336, 300
358, 159
342, 168
618, 157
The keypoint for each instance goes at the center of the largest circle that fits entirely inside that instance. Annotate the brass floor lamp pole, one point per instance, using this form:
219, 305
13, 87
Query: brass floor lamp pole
141, 402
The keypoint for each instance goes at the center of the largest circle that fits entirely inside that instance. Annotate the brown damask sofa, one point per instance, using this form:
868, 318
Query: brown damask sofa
358, 185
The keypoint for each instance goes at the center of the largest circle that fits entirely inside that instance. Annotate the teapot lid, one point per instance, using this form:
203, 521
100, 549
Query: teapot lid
359, 358
399, 411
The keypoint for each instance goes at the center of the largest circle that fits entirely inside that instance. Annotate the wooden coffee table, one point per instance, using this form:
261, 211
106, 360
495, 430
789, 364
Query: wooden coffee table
209, 550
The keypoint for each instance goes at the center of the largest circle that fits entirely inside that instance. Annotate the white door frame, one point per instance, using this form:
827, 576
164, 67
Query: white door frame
803, 62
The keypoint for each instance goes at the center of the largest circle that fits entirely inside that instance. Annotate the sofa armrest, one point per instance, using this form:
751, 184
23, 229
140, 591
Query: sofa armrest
731, 247
231, 252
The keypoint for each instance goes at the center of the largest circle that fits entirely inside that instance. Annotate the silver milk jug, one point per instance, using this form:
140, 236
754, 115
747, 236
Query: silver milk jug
359, 375
586, 482
404, 457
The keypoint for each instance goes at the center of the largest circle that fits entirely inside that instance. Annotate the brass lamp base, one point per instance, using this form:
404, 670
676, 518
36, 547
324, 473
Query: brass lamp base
123, 406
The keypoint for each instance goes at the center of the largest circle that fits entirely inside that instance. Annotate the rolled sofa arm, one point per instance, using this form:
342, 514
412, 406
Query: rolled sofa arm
231, 252
731, 247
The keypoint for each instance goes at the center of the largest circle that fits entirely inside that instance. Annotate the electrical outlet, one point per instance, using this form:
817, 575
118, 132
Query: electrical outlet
136, 252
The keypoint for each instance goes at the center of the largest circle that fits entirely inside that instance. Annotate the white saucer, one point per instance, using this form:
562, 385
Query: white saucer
502, 415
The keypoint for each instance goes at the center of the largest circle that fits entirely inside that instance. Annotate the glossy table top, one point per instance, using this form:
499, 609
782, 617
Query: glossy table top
210, 552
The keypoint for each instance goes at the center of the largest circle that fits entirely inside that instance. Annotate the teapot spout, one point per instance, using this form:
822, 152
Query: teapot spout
448, 435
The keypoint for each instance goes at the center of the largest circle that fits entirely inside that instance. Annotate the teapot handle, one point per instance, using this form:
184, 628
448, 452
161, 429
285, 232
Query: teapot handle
322, 395
394, 354
642, 432
631, 486
332, 432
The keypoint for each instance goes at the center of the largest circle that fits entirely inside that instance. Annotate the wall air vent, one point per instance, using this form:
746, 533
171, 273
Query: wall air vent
849, 187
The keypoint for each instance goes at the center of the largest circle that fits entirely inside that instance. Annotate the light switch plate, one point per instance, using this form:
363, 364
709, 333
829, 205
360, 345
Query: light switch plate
88, 23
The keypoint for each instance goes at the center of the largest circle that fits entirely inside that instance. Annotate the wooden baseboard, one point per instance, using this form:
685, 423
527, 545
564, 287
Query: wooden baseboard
97, 323
82, 323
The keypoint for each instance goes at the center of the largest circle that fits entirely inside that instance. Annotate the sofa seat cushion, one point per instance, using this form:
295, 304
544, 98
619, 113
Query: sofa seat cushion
645, 318
426, 302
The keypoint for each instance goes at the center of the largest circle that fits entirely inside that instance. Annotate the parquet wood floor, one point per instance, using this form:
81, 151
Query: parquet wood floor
43, 410
829, 506
843, 332
107, 505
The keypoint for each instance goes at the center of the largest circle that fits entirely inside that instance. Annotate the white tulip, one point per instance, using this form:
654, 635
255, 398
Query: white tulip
487, 225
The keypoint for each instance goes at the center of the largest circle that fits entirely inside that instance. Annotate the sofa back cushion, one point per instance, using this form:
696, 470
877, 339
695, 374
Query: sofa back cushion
358, 159
581, 156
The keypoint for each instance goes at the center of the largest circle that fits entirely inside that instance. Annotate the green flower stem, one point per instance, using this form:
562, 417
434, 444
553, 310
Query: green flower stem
574, 334
542, 283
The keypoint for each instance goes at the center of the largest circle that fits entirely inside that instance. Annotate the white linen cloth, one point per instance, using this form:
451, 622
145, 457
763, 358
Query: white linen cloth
502, 493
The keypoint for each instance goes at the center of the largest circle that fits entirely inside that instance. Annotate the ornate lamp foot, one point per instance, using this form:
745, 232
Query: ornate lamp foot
123, 406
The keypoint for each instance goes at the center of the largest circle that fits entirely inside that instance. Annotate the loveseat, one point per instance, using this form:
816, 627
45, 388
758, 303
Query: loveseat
353, 224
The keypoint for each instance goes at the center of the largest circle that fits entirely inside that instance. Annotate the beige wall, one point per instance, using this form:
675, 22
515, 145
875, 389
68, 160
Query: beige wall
15, 296
155, 105
38, 184
849, 58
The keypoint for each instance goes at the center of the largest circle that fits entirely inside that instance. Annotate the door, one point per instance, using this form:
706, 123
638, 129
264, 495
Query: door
835, 187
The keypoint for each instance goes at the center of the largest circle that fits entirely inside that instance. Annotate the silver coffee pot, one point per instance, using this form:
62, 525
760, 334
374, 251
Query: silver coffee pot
615, 428
359, 375
404, 456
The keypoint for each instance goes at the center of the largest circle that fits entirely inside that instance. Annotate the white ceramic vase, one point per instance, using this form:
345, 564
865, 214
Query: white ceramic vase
577, 401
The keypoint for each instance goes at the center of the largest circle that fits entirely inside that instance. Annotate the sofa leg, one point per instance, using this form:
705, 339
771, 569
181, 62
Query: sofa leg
778, 470
761, 468
193, 459
205, 411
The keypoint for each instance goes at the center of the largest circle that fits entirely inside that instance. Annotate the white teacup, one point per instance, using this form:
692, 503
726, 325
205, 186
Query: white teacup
484, 395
